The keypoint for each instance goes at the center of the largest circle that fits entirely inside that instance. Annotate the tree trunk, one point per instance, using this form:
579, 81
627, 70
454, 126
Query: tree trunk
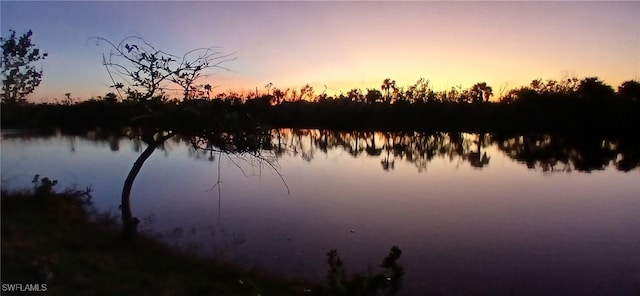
130, 223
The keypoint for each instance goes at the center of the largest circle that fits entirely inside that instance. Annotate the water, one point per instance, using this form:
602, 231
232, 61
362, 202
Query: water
473, 214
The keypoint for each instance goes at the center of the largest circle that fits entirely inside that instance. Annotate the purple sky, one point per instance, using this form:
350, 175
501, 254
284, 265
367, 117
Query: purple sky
342, 44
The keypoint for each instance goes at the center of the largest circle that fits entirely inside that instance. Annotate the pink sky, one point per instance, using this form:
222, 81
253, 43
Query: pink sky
342, 44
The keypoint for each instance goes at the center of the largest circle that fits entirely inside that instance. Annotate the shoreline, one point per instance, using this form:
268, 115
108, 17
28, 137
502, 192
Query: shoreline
53, 240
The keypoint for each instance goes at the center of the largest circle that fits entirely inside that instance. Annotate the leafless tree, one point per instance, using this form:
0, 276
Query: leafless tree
147, 72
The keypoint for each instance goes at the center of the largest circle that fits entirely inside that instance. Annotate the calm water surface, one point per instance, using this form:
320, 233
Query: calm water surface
473, 214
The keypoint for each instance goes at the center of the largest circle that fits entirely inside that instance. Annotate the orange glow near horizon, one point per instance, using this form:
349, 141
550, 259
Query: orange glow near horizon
343, 45
223, 83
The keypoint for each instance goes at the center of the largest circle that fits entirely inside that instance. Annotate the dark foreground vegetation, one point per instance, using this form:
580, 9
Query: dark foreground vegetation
54, 240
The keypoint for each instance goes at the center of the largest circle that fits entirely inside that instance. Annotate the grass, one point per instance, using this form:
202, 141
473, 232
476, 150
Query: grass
57, 240
52, 238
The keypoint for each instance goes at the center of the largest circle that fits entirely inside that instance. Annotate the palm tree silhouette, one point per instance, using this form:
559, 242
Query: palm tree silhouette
387, 86
481, 92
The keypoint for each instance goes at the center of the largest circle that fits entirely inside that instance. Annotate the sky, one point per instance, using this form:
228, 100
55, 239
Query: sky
340, 45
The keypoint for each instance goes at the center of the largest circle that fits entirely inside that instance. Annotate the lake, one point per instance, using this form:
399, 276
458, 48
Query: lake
472, 213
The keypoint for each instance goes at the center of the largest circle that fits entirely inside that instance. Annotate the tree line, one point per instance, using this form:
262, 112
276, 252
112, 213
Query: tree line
142, 77
571, 105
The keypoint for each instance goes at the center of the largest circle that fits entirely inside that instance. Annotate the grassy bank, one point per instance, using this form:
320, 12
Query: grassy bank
51, 238
57, 242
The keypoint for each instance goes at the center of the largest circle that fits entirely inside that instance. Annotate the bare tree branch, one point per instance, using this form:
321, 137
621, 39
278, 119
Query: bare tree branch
149, 71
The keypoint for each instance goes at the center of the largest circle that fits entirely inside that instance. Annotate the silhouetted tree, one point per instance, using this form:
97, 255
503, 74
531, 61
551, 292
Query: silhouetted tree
388, 86
268, 86
630, 90
130, 223
480, 92
373, 95
68, 100
208, 88
148, 71
355, 95
111, 97
19, 75
279, 95
398, 95
563, 87
420, 92
306, 91
453, 94
591, 88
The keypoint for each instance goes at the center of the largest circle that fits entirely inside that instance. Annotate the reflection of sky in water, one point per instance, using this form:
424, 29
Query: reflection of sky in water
501, 228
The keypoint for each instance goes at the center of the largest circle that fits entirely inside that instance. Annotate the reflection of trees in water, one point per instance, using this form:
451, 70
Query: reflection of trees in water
96, 137
477, 158
418, 148
114, 143
292, 143
546, 152
549, 153
552, 153
372, 149
628, 153
253, 149
240, 147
